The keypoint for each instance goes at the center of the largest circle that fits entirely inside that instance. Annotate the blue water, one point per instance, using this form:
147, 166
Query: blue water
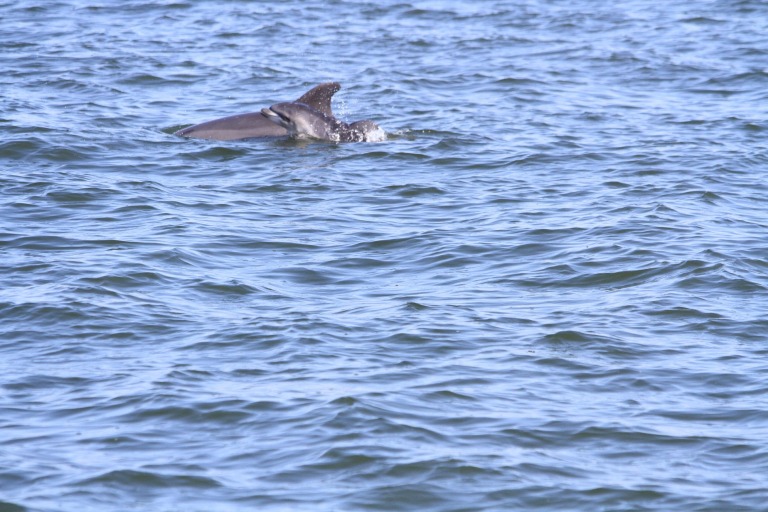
546, 290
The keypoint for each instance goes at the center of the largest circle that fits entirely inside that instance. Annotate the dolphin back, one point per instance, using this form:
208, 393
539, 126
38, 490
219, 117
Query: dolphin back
319, 97
240, 126
366, 131
254, 124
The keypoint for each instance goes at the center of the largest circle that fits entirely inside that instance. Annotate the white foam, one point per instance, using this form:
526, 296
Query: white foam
377, 135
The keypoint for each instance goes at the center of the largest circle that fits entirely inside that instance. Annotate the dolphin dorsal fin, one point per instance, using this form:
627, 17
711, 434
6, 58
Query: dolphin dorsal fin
319, 97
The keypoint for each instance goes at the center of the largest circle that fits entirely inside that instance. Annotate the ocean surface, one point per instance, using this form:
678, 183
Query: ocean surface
546, 290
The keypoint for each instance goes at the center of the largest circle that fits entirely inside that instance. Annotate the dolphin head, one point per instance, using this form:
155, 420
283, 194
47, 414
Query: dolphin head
301, 120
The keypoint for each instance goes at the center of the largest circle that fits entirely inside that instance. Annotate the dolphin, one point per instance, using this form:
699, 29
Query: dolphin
254, 124
301, 120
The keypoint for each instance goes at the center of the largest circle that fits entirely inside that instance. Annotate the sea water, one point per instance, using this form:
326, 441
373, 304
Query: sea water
547, 289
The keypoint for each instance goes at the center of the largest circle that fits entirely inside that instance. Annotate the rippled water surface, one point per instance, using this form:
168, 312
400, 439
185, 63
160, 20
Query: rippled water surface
546, 290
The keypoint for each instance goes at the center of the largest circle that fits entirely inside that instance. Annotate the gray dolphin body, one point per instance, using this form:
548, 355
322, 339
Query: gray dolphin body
254, 124
301, 120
